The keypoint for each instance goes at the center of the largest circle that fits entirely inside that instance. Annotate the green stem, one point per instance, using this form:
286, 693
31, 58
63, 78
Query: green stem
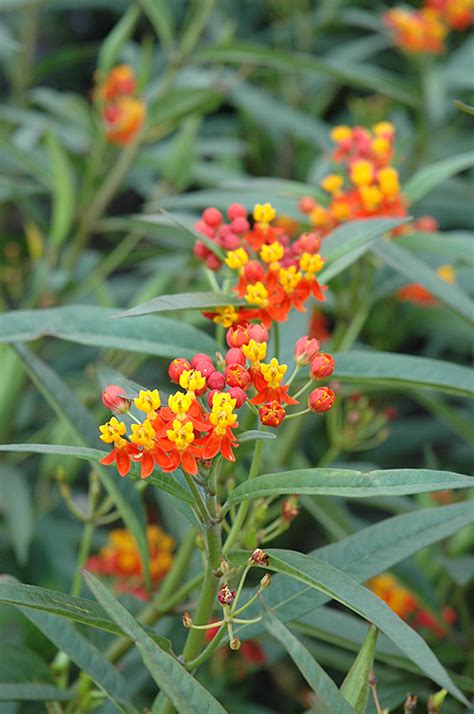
329, 456
208, 651
276, 339
202, 615
84, 550
236, 529
197, 498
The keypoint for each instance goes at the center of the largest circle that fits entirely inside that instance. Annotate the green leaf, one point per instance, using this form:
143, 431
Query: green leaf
403, 371
417, 271
355, 687
66, 406
27, 692
452, 246
185, 692
365, 554
63, 195
158, 12
429, 177
329, 699
348, 483
88, 325
352, 74
79, 609
17, 505
341, 587
164, 481
348, 242
117, 37
255, 435
182, 301
85, 655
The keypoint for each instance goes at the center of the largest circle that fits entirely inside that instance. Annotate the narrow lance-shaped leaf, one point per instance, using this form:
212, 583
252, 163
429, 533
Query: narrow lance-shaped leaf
182, 301
164, 481
83, 653
341, 587
427, 178
403, 371
328, 697
348, 483
67, 407
185, 692
112, 45
86, 612
17, 504
355, 687
90, 325
64, 200
417, 271
34, 692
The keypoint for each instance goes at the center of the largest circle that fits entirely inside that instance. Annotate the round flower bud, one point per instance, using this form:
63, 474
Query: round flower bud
113, 398
321, 399
426, 223
237, 376
258, 332
235, 356
266, 581
309, 243
200, 357
260, 557
212, 217
216, 380
225, 595
210, 395
187, 621
240, 225
239, 395
230, 242
238, 335
254, 271
200, 250
213, 262
204, 228
322, 365
236, 210
306, 204
306, 349
272, 414
235, 643
177, 367
206, 368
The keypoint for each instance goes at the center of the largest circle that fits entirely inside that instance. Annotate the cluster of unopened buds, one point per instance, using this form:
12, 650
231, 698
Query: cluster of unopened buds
120, 559
365, 185
229, 601
198, 424
425, 30
122, 111
407, 606
272, 271
361, 424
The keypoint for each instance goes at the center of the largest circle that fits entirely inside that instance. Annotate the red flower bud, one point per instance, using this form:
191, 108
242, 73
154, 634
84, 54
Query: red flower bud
260, 557
321, 399
236, 210
237, 376
200, 357
239, 395
200, 250
225, 595
206, 368
212, 217
258, 332
238, 335
213, 262
230, 242
240, 225
309, 243
235, 356
306, 349
272, 414
211, 394
113, 398
216, 380
306, 204
254, 271
290, 509
177, 367
204, 228
321, 366
426, 223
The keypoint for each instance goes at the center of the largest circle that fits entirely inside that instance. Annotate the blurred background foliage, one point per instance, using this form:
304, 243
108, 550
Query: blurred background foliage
240, 100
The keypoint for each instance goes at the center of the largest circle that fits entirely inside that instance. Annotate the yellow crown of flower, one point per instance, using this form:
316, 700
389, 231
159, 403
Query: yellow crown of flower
180, 403
113, 431
311, 263
273, 372
181, 434
332, 183
148, 401
388, 181
362, 172
341, 133
255, 351
271, 253
257, 294
143, 435
192, 380
263, 213
226, 315
236, 259
289, 278
221, 400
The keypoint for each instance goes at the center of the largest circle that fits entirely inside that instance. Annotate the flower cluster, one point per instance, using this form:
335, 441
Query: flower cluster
122, 112
421, 296
120, 559
408, 607
272, 270
198, 423
366, 185
425, 30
